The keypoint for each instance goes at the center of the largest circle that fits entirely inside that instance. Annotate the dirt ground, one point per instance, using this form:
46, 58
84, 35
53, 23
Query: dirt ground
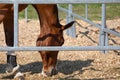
72, 65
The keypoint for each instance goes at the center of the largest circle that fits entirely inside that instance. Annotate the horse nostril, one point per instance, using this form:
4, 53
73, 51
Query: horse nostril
47, 73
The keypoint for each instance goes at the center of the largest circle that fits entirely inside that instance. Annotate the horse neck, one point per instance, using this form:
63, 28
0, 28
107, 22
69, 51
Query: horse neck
49, 22
49, 26
48, 18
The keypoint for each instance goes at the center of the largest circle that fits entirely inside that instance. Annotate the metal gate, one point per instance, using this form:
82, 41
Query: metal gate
103, 30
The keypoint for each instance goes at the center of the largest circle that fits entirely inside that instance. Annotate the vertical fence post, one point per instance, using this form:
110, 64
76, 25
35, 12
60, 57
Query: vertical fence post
15, 23
103, 35
86, 10
71, 31
26, 14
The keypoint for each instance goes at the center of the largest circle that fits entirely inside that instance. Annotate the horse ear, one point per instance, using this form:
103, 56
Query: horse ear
68, 25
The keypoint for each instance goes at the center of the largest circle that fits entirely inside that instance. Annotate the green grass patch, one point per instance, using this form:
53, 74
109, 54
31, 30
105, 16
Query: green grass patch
32, 14
94, 11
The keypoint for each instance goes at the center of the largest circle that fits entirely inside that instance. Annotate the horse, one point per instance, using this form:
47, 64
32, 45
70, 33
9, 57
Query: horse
51, 34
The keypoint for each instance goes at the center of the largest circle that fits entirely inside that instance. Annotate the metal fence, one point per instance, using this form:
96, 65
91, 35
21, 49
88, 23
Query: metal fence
103, 29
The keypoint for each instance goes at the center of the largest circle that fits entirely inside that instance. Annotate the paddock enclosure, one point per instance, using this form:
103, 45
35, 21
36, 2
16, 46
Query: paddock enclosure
73, 64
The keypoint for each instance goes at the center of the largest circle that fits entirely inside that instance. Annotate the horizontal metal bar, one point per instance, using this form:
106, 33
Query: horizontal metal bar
62, 9
86, 20
111, 32
63, 48
7, 1
59, 1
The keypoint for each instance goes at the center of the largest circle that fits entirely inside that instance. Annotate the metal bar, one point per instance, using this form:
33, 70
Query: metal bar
51, 48
86, 10
61, 48
71, 31
111, 32
69, 17
7, 1
15, 23
26, 14
106, 43
82, 18
59, 1
103, 34
90, 22
62, 9
86, 20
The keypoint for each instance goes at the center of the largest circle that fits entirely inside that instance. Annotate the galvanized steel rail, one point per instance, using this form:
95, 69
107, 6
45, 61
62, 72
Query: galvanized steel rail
63, 48
58, 1
54, 48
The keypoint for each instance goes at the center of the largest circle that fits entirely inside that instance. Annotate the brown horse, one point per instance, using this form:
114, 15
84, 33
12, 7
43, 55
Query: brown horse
51, 34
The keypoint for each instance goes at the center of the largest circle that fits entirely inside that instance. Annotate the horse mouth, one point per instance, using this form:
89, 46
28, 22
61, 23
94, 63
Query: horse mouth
49, 73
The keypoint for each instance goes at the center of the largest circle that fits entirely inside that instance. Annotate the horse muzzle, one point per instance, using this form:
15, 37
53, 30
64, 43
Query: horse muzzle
51, 72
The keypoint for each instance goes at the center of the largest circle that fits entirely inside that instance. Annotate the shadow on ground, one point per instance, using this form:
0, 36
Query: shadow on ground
68, 67
65, 67
2, 68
